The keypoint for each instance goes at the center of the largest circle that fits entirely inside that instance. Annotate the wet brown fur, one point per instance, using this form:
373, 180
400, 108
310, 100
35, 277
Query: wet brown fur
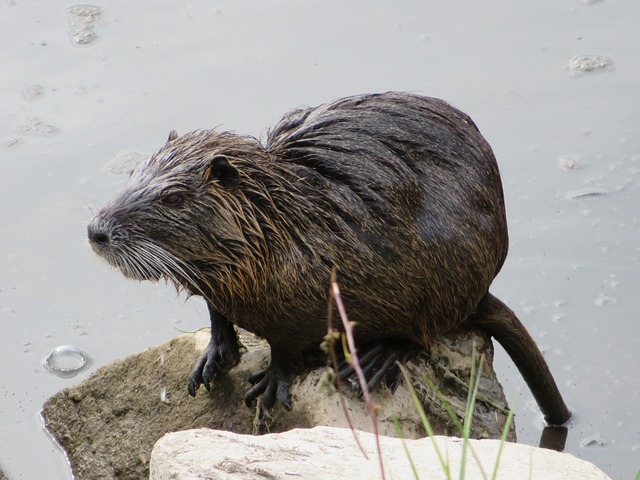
400, 192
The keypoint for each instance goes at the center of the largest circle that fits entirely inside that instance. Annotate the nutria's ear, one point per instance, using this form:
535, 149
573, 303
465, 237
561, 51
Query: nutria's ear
172, 135
220, 169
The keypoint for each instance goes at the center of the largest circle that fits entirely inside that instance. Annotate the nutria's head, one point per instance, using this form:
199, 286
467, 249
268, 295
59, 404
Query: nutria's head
180, 213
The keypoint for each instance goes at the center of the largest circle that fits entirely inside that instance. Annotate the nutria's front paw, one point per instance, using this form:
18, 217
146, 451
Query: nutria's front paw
272, 383
217, 357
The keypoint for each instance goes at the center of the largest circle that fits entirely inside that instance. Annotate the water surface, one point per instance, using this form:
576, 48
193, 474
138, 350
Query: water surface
84, 92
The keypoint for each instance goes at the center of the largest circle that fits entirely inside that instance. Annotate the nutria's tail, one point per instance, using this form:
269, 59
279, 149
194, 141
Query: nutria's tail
500, 322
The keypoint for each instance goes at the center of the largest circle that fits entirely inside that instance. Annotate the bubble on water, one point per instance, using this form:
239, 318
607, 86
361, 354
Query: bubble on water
570, 162
557, 317
124, 163
83, 20
35, 126
33, 92
590, 63
66, 361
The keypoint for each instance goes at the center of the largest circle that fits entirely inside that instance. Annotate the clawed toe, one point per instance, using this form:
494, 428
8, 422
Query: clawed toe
258, 376
378, 362
218, 357
271, 384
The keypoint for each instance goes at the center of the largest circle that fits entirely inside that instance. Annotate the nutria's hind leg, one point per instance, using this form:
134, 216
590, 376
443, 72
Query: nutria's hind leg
274, 382
222, 353
378, 362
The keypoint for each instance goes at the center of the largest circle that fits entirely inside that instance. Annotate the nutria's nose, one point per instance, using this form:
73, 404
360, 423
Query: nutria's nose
97, 234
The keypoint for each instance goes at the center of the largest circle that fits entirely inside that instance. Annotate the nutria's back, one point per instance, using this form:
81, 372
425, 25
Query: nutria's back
411, 195
400, 192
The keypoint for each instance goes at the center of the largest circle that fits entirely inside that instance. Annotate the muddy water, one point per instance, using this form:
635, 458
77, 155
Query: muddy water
85, 92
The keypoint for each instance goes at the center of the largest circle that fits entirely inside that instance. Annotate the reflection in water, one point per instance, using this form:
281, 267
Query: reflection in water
553, 438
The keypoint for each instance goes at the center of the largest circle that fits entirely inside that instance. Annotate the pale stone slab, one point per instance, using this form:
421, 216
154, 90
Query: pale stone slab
324, 453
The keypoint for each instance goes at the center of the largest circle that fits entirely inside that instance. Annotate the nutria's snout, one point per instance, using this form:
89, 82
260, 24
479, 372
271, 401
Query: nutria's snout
105, 240
134, 253
98, 234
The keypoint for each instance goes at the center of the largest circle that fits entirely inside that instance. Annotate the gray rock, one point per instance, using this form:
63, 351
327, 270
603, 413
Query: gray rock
325, 453
109, 423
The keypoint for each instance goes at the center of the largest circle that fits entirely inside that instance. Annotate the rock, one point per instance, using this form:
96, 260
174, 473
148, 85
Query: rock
325, 453
109, 423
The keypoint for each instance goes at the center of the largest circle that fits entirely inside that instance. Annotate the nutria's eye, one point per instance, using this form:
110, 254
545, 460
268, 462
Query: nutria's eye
173, 199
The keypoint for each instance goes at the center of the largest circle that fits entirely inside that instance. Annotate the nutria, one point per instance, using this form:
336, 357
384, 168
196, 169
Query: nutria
400, 192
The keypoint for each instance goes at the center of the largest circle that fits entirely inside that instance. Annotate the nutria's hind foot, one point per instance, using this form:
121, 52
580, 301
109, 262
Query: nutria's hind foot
378, 362
272, 383
221, 355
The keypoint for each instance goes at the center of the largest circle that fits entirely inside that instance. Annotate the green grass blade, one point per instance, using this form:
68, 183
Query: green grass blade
425, 420
503, 439
406, 449
443, 399
471, 401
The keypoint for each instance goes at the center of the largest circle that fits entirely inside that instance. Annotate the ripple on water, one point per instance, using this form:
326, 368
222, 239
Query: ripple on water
31, 93
11, 143
35, 126
594, 441
602, 300
124, 163
66, 361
